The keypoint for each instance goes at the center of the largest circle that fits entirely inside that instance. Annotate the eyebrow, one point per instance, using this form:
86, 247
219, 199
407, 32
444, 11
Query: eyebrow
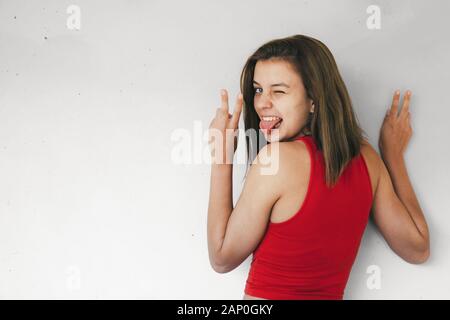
281, 84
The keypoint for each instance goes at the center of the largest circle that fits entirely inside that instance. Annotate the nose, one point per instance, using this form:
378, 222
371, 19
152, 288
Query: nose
263, 101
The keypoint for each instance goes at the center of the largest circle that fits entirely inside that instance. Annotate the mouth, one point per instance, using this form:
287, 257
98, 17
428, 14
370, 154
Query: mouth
269, 123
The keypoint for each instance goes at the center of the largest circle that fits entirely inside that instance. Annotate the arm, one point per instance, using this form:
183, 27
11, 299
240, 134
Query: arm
219, 208
223, 145
397, 213
396, 210
233, 234
404, 190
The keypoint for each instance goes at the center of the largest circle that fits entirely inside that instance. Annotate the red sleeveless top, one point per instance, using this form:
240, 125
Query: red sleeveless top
310, 255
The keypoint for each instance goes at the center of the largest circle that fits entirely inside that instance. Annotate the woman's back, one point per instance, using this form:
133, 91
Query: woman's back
314, 232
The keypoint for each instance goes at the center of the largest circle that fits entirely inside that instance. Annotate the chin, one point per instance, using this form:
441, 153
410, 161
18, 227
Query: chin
274, 136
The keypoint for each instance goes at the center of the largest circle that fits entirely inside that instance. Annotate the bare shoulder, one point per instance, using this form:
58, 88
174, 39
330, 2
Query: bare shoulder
369, 152
266, 177
280, 152
280, 159
373, 162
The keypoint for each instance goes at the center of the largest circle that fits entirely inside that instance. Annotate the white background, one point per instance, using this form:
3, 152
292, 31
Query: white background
92, 203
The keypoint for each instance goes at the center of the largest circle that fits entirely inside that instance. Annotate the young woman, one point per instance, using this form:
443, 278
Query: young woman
304, 221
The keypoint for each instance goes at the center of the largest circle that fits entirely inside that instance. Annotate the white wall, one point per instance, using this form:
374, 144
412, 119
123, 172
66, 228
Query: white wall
92, 203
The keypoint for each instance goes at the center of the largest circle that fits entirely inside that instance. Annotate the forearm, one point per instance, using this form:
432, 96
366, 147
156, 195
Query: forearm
220, 206
404, 190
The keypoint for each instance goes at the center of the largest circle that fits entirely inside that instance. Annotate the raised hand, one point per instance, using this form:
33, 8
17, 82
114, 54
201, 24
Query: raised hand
396, 128
223, 133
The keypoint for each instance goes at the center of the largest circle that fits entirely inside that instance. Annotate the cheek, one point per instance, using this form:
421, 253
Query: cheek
296, 114
295, 120
256, 102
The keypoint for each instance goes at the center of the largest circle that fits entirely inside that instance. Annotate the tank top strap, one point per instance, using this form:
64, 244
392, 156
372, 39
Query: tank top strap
316, 157
309, 140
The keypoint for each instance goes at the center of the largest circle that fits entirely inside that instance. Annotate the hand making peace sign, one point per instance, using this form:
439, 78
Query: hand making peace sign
396, 129
223, 133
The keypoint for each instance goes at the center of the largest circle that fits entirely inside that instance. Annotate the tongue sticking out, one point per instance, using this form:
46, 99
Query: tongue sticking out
269, 125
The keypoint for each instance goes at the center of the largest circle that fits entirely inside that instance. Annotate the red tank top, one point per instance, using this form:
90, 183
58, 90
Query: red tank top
310, 255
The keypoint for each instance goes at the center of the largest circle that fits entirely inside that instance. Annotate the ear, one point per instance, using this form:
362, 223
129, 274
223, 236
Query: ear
311, 110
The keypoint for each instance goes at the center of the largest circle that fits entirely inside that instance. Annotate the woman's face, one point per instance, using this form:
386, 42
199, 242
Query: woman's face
279, 92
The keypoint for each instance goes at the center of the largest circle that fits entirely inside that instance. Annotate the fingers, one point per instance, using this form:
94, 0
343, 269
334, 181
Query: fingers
223, 110
404, 112
224, 99
237, 111
394, 106
405, 107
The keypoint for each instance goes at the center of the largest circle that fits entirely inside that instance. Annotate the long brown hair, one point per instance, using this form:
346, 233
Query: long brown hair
333, 125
